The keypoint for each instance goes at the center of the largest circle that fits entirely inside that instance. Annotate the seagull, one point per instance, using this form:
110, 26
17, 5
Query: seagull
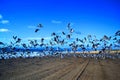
87, 45
40, 25
35, 41
62, 42
110, 38
68, 26
85, 38
41, 44
14, 37
24, 45
31, 42
105, 37
50, 43
115, 38
117, 33
36, 30
11, 43
63, 33
71, 30
56, 39
77, 39
18, 40
81, 41
53, 34
101, 39
68, 36
1, 43
42, 39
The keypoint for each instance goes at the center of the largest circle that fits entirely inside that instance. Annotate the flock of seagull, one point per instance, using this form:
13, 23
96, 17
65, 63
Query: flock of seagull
17, 48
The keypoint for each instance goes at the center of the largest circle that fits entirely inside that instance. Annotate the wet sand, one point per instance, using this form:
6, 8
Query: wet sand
59, 69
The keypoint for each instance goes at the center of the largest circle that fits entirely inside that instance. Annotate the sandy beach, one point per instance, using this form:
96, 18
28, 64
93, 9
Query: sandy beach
59, 69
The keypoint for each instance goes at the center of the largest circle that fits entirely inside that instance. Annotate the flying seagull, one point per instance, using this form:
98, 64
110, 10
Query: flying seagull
63, 33
68, 36
68, 26
36, 30
40, 25
117, 33
14, 37
18, 40
1, 43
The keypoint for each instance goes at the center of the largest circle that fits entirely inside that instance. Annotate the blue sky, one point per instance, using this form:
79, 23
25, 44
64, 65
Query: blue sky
95, 17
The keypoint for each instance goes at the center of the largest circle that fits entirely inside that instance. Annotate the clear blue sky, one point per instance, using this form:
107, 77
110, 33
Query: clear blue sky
96, 17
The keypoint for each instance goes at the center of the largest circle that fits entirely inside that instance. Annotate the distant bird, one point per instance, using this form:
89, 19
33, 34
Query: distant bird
63, 33
68, 26
53, 34
103, 49
118, 41
57, 36
87, 45
89, 37
68, 36
36, 44
101, 39
14, 37
83, 48
71, 30
81, 45
85, 38
110, 38
35, 41
115, 38
11, 43
77, 39
31, 42
50, 43
36, 30
24, 45
42, 39
41, 44
117, 33
62, 42
56, 39
1, 43
110, 45
115, 45
18, 40
105, 37
40, 25
81, 41
93, 46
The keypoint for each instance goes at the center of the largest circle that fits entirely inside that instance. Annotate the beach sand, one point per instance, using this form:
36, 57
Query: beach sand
59, 69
